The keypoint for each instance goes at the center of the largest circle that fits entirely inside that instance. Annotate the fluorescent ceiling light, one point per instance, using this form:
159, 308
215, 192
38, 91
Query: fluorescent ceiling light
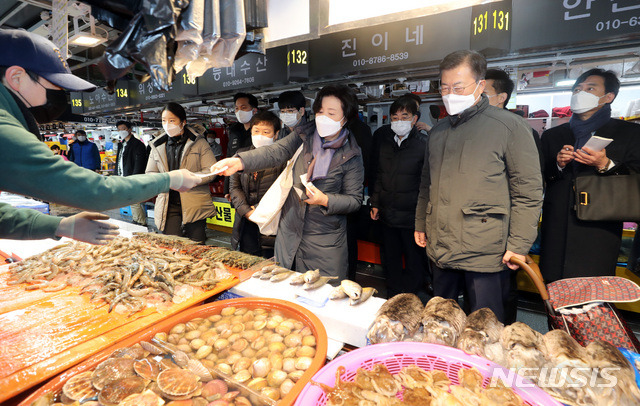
87, 39
568, 82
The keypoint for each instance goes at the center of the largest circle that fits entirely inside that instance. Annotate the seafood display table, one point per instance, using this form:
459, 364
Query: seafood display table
344, 323
44, 333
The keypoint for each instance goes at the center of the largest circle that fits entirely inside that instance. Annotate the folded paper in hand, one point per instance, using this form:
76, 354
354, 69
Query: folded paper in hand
206, 175
597, 143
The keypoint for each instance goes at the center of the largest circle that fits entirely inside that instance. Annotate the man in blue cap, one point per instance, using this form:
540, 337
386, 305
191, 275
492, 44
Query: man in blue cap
34, 80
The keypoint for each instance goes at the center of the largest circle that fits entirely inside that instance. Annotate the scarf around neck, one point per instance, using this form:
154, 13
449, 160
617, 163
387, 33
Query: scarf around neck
323, 153
582, 129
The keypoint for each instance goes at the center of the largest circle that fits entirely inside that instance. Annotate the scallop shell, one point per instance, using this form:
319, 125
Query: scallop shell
135, 351
178, 382
151, 348
199, 369
115, 392
147, 368
79, 387
111, 370
146, 398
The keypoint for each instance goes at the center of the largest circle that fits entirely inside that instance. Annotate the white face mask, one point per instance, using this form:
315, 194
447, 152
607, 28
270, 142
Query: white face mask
82, 138
457, 103
211, 141
401, 128
289, 119
171, 129
261, 141
326, 126
123, 134
584, 101
244, 116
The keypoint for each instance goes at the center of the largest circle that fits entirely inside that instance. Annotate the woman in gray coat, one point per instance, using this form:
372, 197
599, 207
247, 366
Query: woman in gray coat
312, 230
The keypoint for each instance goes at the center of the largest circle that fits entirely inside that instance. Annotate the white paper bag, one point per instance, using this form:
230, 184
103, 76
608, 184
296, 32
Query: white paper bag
267, 214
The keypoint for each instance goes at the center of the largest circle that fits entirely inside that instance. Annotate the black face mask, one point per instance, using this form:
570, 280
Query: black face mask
54, 107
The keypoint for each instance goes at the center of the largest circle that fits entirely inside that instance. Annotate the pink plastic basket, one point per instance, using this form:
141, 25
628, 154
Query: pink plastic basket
395, 356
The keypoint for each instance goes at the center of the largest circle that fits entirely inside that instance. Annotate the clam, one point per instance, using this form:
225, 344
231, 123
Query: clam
178, 329
242, 401
257, 384
241, 364
290, 352
184, 348
276, 377
224, 368
79, 387
303, 363
275, 338
197, 343
283, 329
160, 336
276, 360
221, 344
306, 331
289, 365
203, 351
271, 393
237, 327
193, 335
215, 318
261, 367
240, 311
277, 347
259, 343
259, 324
228, 311
309, 340
296, 375
248, 352
293, 340
234, 337
250, 335
306, 351
242, 376
240, 345
192, 325
286, 386
248, 316
182, 341
272, 324
262, 352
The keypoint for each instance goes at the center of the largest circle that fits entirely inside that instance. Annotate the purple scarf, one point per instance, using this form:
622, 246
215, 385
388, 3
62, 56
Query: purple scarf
323, 153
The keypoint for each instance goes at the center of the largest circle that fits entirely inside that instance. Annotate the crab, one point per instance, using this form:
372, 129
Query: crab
79, 387
115, 392
111, 370
178, 384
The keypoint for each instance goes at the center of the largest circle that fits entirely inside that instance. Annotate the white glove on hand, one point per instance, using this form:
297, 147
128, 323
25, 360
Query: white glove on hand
85, 227
183, 180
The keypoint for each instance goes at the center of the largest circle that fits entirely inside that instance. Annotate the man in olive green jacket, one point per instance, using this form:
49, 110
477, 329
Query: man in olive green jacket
34, 79
481, 190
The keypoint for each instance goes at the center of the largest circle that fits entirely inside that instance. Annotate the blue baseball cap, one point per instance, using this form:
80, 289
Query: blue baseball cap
37, 54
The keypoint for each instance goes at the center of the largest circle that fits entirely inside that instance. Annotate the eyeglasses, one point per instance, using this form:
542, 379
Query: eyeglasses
456, 89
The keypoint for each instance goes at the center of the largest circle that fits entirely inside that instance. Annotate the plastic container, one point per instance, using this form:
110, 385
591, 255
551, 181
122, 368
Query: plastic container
288, 308
429, 357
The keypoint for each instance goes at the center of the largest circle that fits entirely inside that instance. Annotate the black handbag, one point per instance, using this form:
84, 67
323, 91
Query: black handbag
607, 198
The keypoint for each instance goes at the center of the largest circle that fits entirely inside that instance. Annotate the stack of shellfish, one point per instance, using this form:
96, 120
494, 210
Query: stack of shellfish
239, 357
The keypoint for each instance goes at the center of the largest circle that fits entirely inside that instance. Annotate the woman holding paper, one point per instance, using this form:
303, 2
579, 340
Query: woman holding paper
572, 247
312, 229
182, 214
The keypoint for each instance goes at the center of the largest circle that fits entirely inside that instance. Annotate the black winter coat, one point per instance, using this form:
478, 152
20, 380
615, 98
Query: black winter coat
246, 190
239, 137
398, 177
134, 157
571, 247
